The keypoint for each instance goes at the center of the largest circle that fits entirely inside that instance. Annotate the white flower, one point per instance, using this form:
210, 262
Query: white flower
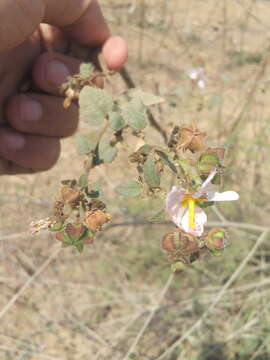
183, 207
198, 76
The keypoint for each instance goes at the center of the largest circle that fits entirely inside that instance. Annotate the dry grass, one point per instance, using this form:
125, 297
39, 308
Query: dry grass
118, 300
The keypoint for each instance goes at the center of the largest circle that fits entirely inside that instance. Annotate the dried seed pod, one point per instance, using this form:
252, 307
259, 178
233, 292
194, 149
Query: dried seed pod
95, 219
58, 210
169, 241
191, 138
180, 241
69, 194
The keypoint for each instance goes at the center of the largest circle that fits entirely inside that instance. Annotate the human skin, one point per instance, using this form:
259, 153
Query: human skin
34, 37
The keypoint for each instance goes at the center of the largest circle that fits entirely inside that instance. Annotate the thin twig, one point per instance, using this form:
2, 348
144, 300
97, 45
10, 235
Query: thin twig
150, 317
31, 279
234, 276
236, 225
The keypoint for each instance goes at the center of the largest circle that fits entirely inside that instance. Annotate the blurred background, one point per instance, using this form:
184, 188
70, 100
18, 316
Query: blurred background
118, 300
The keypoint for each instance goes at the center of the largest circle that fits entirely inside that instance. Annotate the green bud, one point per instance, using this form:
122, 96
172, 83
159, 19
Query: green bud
217, 252
215, 241
178, 266
63, 237
57, 226
207, 162
87, 237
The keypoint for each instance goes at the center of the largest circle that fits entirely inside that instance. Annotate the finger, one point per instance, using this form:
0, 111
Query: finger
10, 168
115, 52
81, 19
51, 70
41, 115
33, 152
18, 20
53, 39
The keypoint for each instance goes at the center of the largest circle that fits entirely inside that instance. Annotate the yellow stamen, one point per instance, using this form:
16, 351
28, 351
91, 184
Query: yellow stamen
190, 203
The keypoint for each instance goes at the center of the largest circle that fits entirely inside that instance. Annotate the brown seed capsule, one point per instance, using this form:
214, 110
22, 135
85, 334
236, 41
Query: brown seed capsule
191, 138
95, 219
179, 241
169, 241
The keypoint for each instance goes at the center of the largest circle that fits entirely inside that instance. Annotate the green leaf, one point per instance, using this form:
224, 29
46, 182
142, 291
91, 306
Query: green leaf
145, 149
147, 99
86, 70
79, 247
130, 189
164, 157
83, 181
94, 105
150, 173
107, 152
190, 171
95, 191
116, 121
159, 216
135, 114
85, 143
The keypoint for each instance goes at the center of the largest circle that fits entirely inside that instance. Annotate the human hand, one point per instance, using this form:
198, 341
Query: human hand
32, 123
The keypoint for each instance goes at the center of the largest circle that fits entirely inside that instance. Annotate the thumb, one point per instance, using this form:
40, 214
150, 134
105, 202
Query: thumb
18, 20
81, 19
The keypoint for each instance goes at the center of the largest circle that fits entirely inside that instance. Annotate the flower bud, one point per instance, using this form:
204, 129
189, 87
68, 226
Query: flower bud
88, 237
208, 162
215, 241
178, 266
74, 231
62, 236
95, 219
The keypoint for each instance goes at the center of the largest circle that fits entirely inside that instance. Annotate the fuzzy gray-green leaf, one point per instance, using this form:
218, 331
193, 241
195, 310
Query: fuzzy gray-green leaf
107, 152
135, 114
85, 143
86, 70
130, 189
150, 172
148, 99
94, 105
116, 121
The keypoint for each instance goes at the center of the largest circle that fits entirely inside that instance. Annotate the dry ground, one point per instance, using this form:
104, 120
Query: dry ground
118, 300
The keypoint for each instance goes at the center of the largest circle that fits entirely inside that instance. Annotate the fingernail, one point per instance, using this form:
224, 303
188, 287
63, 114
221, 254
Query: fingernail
12, 141
30, 110
57, 73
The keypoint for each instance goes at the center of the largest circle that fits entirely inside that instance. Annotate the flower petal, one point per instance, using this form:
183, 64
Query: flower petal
205, 184
224, 196
200, 220
173, 204
193, 73
201, 84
